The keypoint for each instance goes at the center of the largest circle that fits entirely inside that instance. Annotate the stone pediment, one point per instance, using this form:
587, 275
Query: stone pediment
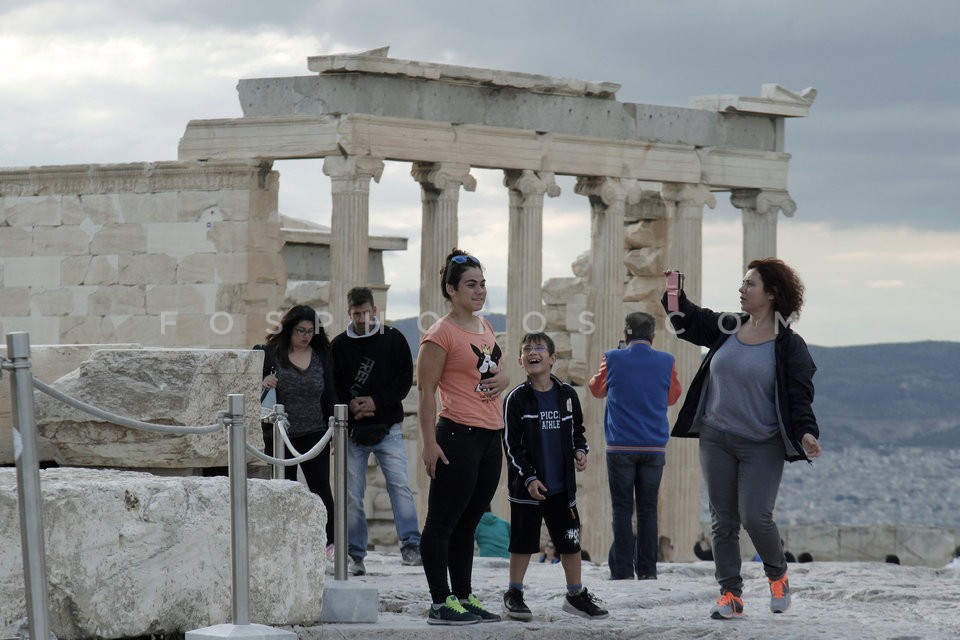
375, 61
774, 100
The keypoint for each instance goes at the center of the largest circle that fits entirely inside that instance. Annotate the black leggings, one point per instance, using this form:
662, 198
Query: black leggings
315, 471
459, 494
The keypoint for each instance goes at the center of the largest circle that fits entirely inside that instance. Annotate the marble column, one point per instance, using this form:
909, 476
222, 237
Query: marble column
349, 229
440, 184
608, 201
680, 489
759, 210
525, 256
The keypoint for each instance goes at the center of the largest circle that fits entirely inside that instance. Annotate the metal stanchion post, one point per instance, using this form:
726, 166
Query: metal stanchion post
239, 551
239, 542
340, 490
344, 601
27, 458
278, 469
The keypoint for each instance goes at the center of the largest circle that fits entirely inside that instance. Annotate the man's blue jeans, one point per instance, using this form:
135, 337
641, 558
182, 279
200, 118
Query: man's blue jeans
391, 455
634, 480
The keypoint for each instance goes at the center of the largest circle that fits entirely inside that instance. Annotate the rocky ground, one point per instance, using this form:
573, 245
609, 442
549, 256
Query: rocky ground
832, 600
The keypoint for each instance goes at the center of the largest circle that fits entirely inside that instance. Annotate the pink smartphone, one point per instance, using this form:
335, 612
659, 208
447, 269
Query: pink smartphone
674, 285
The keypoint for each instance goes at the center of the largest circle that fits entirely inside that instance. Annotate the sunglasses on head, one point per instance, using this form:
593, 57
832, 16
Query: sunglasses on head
465, 259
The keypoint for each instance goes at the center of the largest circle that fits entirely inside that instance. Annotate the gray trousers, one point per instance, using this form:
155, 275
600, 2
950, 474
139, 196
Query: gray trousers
742, 478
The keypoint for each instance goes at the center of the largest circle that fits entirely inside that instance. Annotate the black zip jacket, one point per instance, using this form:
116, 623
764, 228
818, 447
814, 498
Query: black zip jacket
794, 370
521, 439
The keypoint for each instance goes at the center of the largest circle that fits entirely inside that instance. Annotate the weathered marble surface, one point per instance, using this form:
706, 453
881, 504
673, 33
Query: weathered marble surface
185, 387
132, 554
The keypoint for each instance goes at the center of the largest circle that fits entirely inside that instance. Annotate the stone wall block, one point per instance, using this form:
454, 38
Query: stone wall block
15, 241
315, 293
118, 300
34, 271
822, 541
196, 268
644, 289
232, 237
177, 298
233, 267
30, 211
15, 301
59, 302
90, 270
138, 208
916, 545
644, 262
578, 373
555, 315
581, 265
178, 238
560, 369
561, 290
101, 208
226, 204
73, 269
577, 318
86, 330
151, 268
119, 238
47, 363
563, 343
134, 554
231, 298
178, 387
646, 233
649, 207
866, 543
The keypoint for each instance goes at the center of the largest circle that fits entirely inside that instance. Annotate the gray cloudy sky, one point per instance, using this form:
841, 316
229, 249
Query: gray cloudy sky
874, 171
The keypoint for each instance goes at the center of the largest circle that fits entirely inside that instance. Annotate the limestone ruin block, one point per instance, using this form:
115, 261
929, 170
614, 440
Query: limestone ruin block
133, 554
644, 262
47, 363
184, 387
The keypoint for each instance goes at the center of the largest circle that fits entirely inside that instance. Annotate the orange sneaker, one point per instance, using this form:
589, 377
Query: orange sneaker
728, 606
780, 595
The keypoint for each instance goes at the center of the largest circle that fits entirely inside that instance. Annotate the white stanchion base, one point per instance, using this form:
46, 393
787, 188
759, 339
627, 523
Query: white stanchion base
239, 631
345, 601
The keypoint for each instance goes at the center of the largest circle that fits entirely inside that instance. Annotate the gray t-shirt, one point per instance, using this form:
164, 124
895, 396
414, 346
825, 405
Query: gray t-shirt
740, 390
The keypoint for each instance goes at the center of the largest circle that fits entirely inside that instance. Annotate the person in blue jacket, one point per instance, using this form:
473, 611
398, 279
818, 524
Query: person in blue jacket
639, 383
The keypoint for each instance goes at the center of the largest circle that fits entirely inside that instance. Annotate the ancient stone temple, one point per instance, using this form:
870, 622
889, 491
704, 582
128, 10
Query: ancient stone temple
170, 253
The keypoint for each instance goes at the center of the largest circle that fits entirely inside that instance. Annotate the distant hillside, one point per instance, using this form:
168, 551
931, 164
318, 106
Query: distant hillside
889, 395
873, 396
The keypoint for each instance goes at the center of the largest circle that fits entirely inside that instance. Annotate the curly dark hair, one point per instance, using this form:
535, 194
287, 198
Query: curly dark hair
783, 282
280, 340
453, 267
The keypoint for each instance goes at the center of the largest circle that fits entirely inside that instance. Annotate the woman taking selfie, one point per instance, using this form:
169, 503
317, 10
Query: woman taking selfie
751, 406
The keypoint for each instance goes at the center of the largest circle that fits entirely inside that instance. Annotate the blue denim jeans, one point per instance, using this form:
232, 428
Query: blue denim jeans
391, 455
634, 480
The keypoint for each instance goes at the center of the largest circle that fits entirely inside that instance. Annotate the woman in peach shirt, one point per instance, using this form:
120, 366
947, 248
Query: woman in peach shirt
461, 449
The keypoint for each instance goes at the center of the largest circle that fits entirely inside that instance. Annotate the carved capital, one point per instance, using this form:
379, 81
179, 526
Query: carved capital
763, 202
443, 175
695, 194
353, 167
531, 183
609, 190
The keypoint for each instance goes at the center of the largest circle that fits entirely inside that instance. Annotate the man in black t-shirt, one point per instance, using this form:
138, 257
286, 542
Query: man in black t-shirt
373, 371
